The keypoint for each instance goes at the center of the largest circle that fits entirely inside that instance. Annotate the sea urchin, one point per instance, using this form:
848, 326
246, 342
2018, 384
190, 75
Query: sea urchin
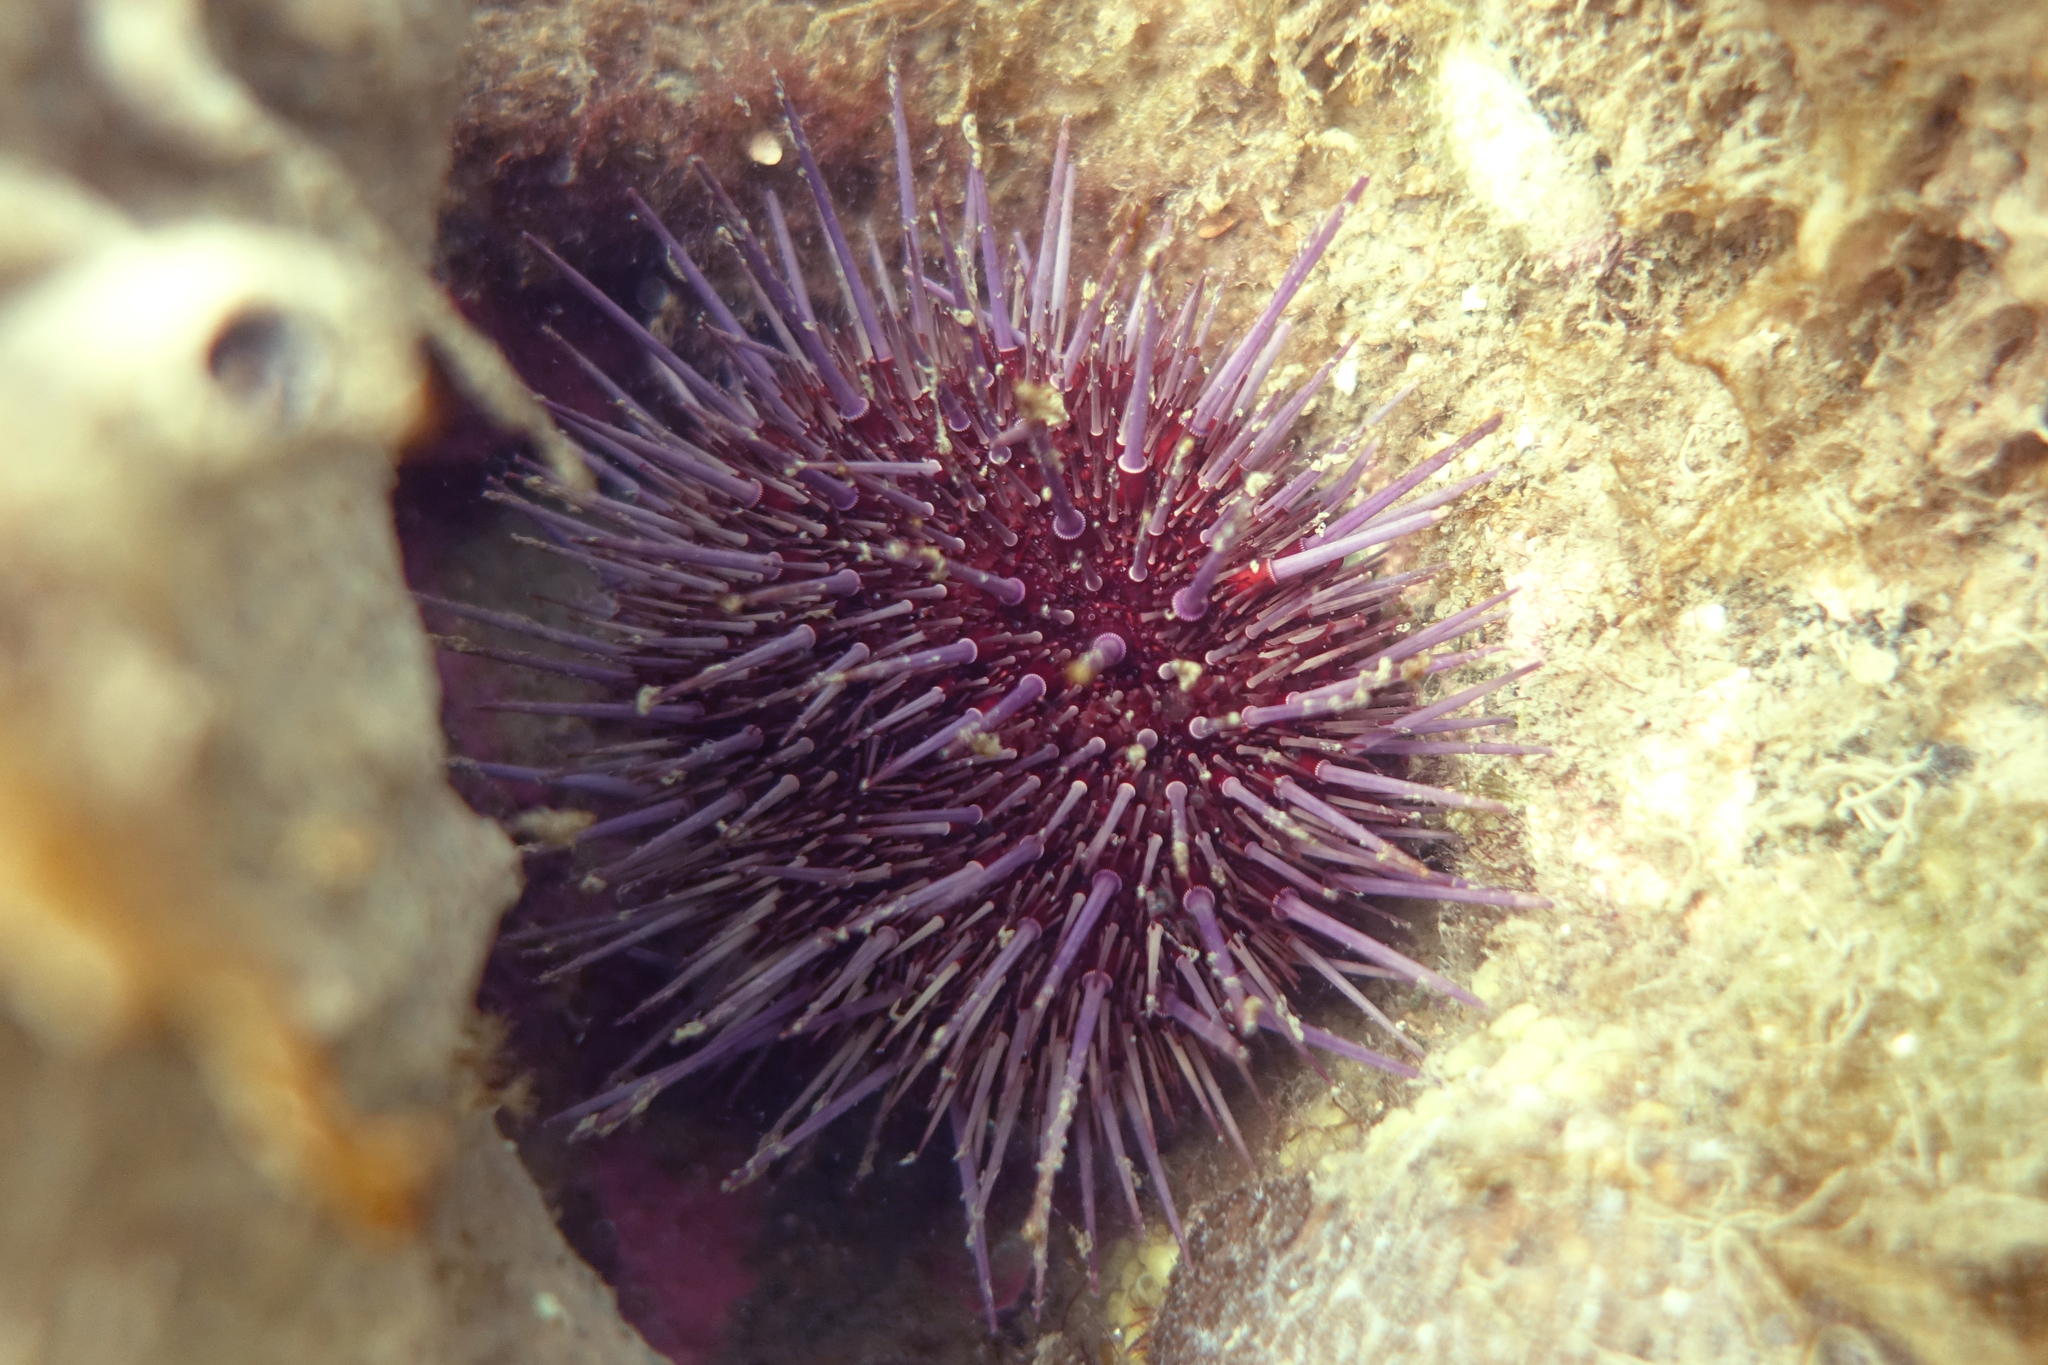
1009, 712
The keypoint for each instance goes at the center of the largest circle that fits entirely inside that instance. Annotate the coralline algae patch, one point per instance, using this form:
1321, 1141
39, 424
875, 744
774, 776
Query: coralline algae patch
682, 1246
1135, 1275
1524, 1065
1533, 1072
1516, 162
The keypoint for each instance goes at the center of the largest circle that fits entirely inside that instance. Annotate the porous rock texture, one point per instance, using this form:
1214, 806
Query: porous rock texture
241, 913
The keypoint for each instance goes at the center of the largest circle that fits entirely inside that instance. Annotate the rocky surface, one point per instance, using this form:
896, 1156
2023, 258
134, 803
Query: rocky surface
1758, 287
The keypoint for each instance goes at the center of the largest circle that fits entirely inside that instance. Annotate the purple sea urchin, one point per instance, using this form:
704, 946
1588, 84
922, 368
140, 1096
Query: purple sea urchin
1013, 712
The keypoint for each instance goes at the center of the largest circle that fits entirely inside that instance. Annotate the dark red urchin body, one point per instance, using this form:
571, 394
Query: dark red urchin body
1010, 744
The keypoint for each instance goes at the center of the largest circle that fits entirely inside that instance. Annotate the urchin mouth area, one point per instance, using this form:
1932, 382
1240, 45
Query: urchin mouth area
1117, 650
